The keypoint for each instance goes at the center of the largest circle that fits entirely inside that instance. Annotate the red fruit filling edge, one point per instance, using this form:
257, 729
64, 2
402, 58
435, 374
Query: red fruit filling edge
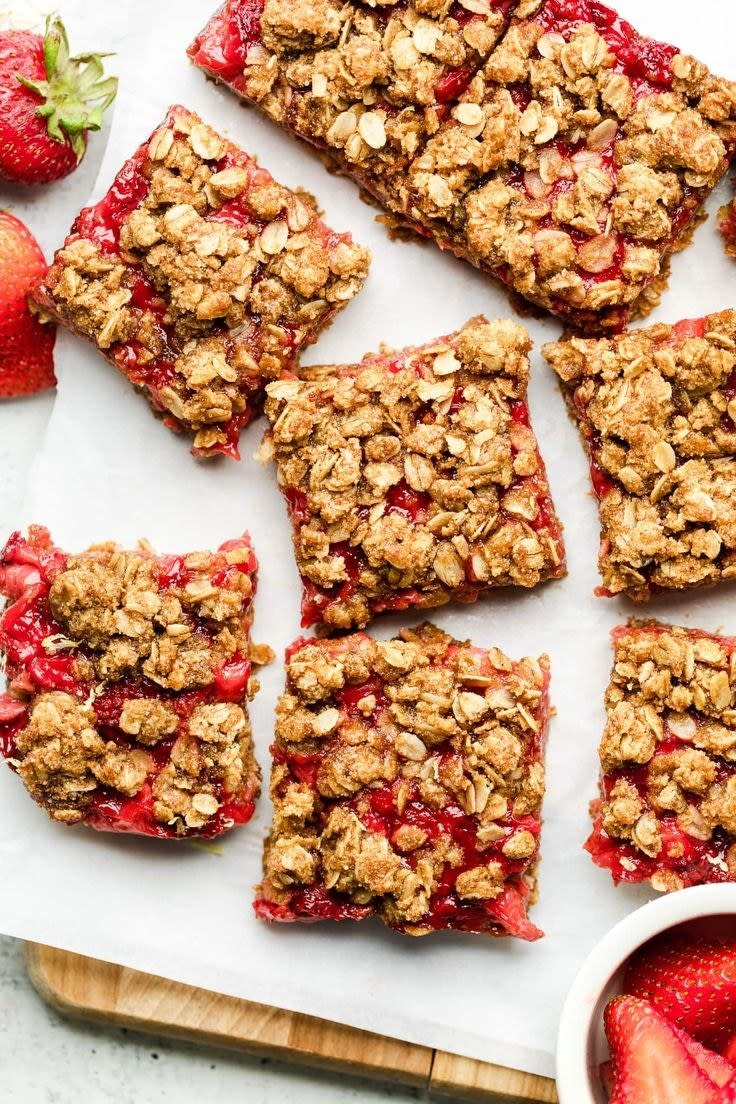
27, 570
221, 48
102, 223
506, 914
694, 861
403, 499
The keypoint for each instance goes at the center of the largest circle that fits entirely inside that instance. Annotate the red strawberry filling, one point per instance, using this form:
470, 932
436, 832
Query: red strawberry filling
41, 659
690, 846
637, 56
194, 302
414, 505
222, 48
727, 226
102, 224
391, 809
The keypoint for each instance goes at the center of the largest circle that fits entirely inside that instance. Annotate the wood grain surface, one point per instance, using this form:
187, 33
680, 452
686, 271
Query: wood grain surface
84, 987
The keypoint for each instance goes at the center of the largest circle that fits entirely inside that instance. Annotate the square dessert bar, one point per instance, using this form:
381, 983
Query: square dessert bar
657, 412
414, 477
200, 277
545, 141
667, 812
407, 783
128, 676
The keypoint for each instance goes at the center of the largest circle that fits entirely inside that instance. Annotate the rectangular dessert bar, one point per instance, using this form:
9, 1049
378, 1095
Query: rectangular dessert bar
545, 141
201, 277
657, 412
128, 677
407, 784
667, 811
414, 478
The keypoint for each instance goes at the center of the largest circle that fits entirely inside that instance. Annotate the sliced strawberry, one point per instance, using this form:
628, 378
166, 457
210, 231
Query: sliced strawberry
26, 346
690, 981
728, 1093
605, 1072
650, 1064
729, 1050
719, 1069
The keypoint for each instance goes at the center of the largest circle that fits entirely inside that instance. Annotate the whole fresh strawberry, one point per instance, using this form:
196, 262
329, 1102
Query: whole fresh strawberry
48, 103
26, 346
690, 981
649, 1063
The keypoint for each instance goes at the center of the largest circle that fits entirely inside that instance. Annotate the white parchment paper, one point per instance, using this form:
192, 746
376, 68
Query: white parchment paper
108, 469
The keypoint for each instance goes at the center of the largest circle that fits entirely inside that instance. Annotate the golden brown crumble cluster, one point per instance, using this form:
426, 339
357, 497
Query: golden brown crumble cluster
416, 464
329, 70
727, 224
66, 756
441, 724
676, 687
113, 605
245, 271
657, 409
121, 626
556, 167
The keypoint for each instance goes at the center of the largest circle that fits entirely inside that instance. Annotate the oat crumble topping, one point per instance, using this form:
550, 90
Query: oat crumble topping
667, 813
414, 478
407, 783
544, 141
657, 410
201, 277
727, 225
128, 676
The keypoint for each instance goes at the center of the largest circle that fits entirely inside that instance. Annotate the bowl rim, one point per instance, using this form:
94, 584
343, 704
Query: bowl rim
696, 902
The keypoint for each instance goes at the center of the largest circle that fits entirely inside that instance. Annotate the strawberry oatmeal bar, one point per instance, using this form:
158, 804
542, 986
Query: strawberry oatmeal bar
200, 278
657, 412
128, 677
667, 812
407, 784
545, 141
414, 477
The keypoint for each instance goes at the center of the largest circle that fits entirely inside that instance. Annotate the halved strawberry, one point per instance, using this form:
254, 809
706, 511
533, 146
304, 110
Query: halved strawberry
690, 981
605, 1072
728, 1094
716, 1066
650, 1063
26, 346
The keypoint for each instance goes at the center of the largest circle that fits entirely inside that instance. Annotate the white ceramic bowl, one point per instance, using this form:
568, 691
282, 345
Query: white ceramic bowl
581, 1042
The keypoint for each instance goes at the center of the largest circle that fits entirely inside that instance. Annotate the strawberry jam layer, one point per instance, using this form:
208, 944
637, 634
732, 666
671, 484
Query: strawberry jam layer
693, 857
415, 506
102, 225
222, 46
41, 659
727, 226
692, 861
391, 808
239, 322
647, 63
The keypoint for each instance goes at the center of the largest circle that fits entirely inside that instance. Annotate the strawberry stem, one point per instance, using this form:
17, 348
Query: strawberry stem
76, 92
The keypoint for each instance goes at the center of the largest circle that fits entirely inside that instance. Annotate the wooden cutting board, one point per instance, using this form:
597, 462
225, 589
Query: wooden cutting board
94, 990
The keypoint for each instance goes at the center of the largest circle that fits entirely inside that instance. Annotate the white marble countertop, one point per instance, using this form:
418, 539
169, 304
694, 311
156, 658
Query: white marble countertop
47, 1059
